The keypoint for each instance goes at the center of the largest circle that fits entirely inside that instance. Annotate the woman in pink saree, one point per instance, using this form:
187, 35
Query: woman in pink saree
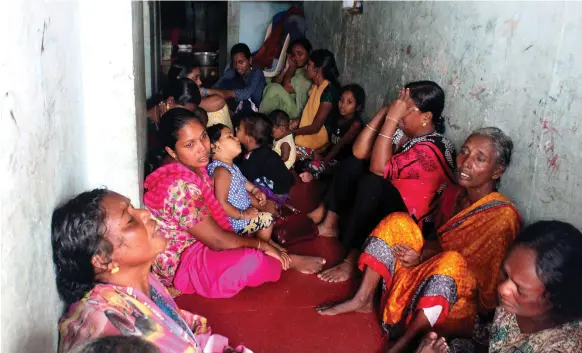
204, 255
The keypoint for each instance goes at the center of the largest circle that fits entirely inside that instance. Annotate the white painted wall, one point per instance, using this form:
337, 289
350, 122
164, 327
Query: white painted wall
71, 111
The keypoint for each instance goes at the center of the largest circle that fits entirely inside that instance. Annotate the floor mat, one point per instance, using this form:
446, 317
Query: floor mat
281, 318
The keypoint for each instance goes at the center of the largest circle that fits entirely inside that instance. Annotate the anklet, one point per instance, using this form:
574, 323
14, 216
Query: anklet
346, 260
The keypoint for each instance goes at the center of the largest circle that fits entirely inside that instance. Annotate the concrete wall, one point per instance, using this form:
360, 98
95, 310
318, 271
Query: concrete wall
515, 65
71, 118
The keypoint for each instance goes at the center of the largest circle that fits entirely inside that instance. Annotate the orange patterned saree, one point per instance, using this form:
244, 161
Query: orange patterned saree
462, 279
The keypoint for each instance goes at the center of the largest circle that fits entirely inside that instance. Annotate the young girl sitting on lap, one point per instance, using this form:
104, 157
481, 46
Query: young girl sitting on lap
233, 190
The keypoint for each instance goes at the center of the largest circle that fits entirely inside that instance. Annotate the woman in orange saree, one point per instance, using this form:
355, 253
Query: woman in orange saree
445, 282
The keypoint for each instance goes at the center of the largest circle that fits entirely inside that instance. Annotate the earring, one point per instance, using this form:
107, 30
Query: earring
424, 124
115, 270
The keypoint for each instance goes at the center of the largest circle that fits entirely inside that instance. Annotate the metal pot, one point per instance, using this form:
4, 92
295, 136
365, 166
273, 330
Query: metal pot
206, 58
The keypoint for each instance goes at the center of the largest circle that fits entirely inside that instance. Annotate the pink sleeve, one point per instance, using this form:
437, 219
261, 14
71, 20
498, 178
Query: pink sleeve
420, 159
186, 206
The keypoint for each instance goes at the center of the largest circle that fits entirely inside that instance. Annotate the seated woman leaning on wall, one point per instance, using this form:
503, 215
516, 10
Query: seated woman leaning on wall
410, 162
204, 255
540, 288
443, 282
103, 249
323, 97
289, 90
186, 66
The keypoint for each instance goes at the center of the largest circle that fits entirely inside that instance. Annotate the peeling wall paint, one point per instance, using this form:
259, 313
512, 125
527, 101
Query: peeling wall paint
511, 65
71, 118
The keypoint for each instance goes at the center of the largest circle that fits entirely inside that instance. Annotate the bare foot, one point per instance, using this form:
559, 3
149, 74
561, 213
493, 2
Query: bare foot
307, 264
427, 344
355, 304
326, 232
338, 273
441, 346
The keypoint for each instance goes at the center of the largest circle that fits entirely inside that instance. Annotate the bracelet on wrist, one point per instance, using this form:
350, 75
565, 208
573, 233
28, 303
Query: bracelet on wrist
371, 128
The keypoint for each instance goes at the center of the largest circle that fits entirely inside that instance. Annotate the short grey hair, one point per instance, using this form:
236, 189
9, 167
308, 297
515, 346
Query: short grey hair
501, 142
118, 344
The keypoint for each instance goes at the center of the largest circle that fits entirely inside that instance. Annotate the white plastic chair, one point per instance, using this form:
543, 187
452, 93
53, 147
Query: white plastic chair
282, 56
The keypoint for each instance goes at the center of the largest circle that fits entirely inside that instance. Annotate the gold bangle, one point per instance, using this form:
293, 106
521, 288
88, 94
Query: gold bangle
385, 136
253, 189
371, 128
394, 120
346, 260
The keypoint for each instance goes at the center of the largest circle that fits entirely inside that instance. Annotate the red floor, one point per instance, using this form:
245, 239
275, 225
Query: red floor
280, 317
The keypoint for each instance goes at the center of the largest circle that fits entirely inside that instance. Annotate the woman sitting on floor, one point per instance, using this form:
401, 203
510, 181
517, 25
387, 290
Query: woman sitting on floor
321, 105
186, 66
540, 293
289, 90
181, 93
241, 85
204, 255
343, 132
410, 162
103, 249
443, 283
